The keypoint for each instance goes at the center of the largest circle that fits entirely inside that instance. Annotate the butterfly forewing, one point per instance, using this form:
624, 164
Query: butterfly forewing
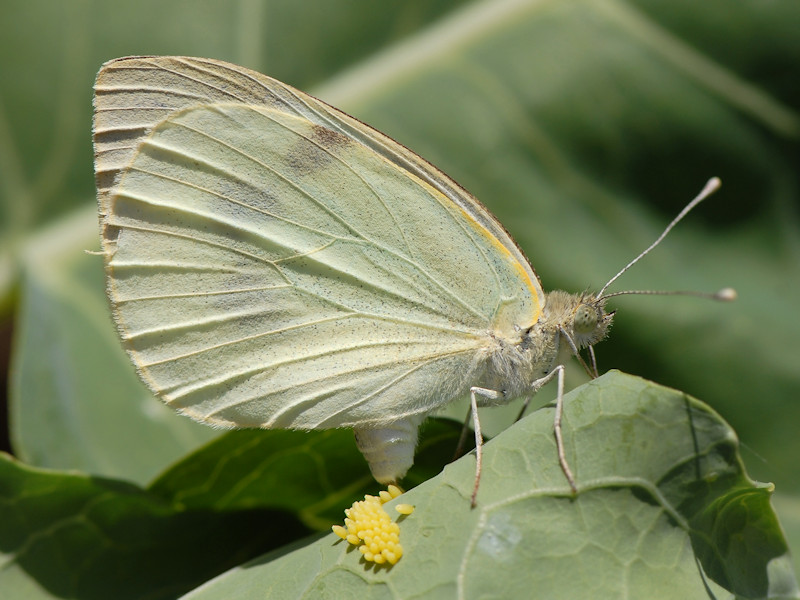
268, 268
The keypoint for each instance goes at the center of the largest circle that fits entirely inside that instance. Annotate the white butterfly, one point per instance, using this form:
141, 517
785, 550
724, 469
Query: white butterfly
273, 262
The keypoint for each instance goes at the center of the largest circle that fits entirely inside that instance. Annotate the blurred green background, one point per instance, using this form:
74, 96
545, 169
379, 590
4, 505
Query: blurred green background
584, 126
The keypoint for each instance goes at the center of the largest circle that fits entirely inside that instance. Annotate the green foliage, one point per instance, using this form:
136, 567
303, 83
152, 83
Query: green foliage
585, 125
668, 513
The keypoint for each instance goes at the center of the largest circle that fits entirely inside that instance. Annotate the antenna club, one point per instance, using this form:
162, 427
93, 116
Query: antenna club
727, 294
712, 186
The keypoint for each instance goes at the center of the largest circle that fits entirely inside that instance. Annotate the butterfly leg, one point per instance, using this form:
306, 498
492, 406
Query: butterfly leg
474, 392
462, 439
558, 371
524, 408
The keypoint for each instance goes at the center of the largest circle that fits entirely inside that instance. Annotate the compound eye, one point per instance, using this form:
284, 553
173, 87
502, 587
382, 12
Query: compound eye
585, 320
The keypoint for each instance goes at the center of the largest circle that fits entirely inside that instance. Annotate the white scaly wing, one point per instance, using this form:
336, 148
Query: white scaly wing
273, 262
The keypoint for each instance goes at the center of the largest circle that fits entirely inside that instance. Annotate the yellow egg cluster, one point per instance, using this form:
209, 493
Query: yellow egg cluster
370, 527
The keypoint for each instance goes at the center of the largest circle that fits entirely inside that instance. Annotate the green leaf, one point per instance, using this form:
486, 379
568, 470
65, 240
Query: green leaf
788, 507
663, 510
313, 475
69, 535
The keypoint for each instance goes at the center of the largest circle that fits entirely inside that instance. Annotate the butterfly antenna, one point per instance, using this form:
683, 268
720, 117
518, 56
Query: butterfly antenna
712, 186
727, 294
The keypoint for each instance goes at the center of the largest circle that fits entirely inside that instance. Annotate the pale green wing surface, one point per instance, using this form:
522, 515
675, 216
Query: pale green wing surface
270, 269
134, 94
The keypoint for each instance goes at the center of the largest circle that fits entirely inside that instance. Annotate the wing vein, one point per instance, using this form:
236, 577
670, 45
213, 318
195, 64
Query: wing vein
297, 327
226, 198
178, 392
262, 288
341, 220
167, 232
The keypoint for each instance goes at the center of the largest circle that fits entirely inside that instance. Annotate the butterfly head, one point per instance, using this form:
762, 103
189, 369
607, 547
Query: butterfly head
581, 318
589, 320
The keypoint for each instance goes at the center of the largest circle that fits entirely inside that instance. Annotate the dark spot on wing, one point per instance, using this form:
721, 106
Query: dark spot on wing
328, 138
306, 157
